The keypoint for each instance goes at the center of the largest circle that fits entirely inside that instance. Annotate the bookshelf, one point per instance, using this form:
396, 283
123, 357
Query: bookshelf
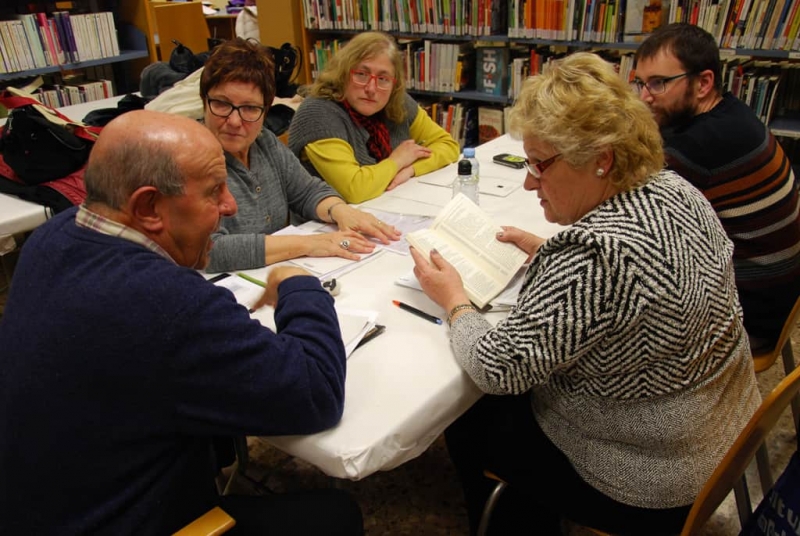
132, 50
563, 26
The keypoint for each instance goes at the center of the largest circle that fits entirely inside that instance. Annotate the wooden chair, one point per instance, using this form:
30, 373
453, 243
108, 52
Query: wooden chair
241, 463
750, 443
729, 474
183, 21
765, 359
215, 521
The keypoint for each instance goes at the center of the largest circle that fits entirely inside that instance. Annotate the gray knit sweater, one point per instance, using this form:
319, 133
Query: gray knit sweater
628, 332
275, 186
322, 119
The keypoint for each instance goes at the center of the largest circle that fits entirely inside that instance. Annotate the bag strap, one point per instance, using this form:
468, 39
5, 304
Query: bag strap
15, 98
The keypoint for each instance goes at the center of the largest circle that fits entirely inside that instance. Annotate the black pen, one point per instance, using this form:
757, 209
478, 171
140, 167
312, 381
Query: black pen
415, 311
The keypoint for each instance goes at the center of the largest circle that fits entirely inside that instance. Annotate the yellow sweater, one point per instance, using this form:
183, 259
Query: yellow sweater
336, 162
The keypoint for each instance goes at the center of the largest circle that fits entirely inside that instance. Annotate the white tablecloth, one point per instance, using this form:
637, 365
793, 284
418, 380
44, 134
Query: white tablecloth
405, 387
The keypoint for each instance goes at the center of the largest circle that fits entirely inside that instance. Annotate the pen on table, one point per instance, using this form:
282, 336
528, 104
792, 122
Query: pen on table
415, 311
252, 279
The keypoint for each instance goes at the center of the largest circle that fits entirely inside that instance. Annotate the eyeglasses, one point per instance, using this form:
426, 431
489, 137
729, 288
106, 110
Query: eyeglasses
537, 169
247, 112
656, 86
382, 82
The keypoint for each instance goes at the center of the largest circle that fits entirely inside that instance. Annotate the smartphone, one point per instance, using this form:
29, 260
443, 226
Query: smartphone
510, 160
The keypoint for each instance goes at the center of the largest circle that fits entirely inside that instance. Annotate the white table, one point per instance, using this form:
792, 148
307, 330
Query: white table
405, 387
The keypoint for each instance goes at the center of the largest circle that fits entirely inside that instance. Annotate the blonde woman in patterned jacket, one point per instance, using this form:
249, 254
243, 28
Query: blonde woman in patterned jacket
623, 374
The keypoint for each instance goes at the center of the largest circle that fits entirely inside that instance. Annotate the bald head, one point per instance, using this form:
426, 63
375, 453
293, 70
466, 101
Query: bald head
144, 148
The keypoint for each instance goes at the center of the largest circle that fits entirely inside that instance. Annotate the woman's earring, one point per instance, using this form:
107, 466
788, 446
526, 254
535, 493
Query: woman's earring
600, 172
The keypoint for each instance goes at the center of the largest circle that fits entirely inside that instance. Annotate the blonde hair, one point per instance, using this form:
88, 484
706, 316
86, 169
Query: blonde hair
582, 107
333, 80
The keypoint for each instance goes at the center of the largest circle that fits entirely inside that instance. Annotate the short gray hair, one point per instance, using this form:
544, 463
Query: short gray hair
112, 176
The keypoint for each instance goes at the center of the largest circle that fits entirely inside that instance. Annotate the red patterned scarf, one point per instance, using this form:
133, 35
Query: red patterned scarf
378, 144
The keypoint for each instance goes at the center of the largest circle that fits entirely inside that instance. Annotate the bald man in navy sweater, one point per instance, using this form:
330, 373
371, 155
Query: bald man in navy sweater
119, 362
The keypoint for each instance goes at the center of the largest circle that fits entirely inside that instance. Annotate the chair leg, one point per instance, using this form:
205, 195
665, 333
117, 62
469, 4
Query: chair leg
788, 367
764, 471
242, 460
743, 504
491, 502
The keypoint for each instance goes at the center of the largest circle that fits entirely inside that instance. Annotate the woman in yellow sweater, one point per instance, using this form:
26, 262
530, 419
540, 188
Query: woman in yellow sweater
358, 128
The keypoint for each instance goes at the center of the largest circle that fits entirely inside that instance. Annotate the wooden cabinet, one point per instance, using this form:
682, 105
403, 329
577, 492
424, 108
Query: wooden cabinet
281, 21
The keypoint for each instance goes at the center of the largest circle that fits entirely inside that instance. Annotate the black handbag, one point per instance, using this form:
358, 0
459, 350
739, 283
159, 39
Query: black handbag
39, 150
183, 60
288, 59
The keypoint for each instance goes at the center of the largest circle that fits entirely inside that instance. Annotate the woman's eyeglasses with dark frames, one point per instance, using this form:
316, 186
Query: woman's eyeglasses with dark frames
247, 112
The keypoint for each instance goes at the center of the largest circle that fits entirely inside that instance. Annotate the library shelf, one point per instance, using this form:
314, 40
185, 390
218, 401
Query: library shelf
125, 55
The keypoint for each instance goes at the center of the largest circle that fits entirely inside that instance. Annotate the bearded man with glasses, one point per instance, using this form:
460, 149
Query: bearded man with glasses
717, 143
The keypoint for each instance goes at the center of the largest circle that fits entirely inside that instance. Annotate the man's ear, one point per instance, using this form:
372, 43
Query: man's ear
143, 209
705, 83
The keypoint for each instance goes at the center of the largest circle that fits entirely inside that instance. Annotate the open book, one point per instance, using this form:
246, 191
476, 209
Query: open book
465, 237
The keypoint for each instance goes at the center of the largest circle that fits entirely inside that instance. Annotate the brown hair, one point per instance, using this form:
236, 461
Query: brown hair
240, 60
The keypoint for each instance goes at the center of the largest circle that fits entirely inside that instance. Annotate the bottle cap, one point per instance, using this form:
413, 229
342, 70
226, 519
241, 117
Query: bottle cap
465, 167
469, 152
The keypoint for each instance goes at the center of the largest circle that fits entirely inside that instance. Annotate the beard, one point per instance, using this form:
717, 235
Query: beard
680, 113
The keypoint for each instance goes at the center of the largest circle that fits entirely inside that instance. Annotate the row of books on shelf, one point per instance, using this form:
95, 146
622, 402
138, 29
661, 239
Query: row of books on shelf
442, 67
750, 24
450, 17
67, 95
33, 41
769, 88
469, 124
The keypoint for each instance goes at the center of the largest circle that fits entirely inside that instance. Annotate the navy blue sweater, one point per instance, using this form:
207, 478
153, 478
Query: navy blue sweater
118, 366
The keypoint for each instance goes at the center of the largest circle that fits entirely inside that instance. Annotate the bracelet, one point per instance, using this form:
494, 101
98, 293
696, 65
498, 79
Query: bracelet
330, 208
456, 309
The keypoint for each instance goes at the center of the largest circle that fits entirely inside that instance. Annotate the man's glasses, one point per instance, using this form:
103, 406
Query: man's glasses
537, 169
247, 112
655, 86
382, 82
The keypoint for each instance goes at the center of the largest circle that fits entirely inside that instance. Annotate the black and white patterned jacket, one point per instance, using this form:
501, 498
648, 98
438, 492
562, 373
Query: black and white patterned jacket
628, 330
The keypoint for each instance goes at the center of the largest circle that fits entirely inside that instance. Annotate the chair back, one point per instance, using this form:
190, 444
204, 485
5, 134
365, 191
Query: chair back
181, 21
729, 474
764, 360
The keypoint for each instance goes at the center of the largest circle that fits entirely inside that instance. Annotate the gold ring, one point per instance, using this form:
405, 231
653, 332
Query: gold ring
344, 244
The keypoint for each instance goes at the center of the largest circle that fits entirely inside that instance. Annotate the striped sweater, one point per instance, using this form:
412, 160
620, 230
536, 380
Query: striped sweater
627, 332
731, 156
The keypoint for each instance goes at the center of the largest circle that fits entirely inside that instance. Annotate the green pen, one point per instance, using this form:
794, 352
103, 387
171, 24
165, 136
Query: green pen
252, 279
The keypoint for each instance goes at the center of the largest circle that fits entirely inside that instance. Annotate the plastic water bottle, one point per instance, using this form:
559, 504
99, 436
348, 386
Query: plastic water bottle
469, 154
466, 183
